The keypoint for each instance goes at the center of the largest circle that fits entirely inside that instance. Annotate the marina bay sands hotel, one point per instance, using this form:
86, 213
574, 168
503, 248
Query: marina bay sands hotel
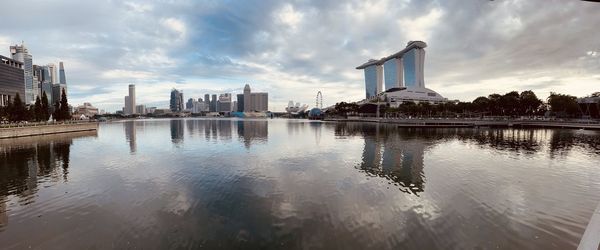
403, 74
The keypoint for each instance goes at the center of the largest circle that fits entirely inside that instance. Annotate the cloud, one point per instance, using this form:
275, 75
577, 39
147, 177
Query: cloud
295, 48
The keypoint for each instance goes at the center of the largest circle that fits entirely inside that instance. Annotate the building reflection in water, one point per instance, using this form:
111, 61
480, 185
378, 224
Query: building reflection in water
399, 160
177, 131
397, 154
252, 131
29, 161
130, 135
248, 131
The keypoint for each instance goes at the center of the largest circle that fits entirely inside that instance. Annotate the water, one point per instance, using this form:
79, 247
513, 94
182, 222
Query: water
286, 184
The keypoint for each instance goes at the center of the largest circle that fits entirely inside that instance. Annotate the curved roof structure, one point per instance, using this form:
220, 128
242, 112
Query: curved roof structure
409, 46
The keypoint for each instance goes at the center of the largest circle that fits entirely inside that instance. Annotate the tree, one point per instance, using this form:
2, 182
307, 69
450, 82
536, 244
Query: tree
45, 107
509, 103
64, 107
57, 115
529, 104
563, 105
17, 110
494, 104
37, 109
481, 104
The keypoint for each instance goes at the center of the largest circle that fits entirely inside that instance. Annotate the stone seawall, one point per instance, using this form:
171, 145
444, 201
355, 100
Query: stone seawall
46, 129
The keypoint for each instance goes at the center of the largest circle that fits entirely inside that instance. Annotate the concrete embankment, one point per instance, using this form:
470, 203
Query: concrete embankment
454, 123
14, 132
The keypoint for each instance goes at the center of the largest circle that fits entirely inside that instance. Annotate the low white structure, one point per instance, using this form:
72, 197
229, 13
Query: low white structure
295, 109
86, 110
397, 96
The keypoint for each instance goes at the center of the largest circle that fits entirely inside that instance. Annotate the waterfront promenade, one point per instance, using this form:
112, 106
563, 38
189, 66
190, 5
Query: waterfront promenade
22, 130
463, 122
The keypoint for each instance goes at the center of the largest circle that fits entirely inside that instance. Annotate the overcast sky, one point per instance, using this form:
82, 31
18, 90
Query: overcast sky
292, 49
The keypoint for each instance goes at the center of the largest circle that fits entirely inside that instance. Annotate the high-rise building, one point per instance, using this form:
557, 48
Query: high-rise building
373, 78
189, 104
140, 109
56, 93
213, 103
176, 102
52, 69
11, 80
207, 100
130, 107
45, 79
240, 103
224, 103
254, 102
63, 79
21, 54
403, 73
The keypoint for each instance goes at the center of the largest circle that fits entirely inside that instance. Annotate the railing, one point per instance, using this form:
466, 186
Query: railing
35, 124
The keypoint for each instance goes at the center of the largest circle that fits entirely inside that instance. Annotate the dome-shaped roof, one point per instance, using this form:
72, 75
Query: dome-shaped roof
315, 112
247, 87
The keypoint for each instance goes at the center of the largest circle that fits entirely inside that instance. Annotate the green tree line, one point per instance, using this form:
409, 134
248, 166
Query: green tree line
18, 111
512, 104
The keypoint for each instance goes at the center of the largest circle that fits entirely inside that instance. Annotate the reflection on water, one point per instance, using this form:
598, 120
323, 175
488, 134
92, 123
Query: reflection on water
294, 184
27, 162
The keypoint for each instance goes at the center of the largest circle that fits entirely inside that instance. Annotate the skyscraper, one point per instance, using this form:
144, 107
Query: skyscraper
130, 107
213, 103
402, 69
52, 69
224, 103
240, 103
131, 97
247, 99
21, 54
176, 102
63, 78
11, 80
189, 104
254, 102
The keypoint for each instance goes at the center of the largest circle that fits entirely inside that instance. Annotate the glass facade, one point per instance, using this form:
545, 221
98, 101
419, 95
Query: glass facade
371, 81
390, 73
410, 73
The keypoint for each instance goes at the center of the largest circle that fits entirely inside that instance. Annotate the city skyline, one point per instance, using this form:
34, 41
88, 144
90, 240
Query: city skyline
282, 48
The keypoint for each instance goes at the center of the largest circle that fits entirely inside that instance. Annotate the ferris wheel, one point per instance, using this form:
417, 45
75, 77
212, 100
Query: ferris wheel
319, 100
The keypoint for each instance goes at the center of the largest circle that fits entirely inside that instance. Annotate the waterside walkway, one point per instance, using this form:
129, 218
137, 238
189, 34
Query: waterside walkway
467, 123
14, 131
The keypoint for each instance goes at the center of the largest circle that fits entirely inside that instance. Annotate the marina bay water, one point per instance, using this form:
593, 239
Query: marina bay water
297, 184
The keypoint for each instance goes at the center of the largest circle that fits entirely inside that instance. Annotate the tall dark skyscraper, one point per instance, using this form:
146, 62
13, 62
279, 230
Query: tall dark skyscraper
213, 104
176, 103
61, 70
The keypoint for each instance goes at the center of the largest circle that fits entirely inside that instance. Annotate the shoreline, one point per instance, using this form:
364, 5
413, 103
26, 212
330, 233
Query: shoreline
475, 123
46, 129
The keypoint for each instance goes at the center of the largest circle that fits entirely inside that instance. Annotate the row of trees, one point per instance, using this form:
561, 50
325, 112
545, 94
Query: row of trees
17, 110
511, 104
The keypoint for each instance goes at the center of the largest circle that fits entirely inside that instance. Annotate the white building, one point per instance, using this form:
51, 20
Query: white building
86, 109
140, 109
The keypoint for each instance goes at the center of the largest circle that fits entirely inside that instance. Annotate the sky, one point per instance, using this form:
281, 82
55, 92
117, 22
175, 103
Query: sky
292, 49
